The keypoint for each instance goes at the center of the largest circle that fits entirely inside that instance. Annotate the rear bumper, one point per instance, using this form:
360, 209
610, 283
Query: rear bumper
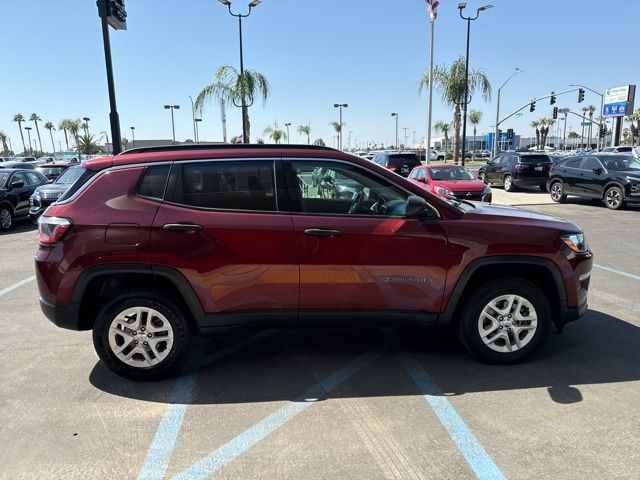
63, 316
530, 181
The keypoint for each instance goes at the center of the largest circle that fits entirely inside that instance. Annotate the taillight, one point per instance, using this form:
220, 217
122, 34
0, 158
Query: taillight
52, 229
390, 167
519, 168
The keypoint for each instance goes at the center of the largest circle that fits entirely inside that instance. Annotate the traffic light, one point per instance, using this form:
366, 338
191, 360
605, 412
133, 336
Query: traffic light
555, 113
553, 98
510, 133
580, 95
532, 107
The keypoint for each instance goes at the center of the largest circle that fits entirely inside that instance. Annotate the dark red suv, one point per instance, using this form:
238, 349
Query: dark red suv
152, 246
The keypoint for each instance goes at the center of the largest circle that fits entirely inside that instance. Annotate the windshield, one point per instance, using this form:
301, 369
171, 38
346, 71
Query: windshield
70, 176
449, 173
608, 149
529, 159
621, 163
3, 178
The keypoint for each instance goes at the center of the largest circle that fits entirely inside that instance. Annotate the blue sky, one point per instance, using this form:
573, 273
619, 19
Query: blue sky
369, 54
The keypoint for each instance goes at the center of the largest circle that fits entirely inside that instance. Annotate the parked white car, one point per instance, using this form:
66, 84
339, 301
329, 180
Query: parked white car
626, 149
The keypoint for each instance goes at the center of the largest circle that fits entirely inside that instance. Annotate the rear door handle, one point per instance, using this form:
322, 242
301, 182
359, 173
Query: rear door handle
322, 232
183, 227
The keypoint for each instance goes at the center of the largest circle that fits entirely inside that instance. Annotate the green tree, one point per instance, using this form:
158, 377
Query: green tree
573, 136
88, 145
305, 130
634, 126
450, 83
443, 128
275, 133
49, 126
35, 119
319, 143
536, 124
64, 126
3, 140
74, 129
475, 117
544, 130
124, 141
231, 88
18, 118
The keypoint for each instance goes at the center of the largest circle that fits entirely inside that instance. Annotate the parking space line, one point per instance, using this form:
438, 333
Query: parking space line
17, 285
619, 272
164, 441
472, 450
254, 434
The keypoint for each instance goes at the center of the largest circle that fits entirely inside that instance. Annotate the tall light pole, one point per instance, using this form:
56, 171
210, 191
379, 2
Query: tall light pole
85, 126
28, 129
497, 131
462, 6
133, 136
406, 137
193, 117
340, 106
243, 99
288, 124
397, 139
601, 95
197, 120
173, 124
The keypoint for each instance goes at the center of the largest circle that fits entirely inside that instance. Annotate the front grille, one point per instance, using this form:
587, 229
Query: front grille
50, 195
635, 187
468, 195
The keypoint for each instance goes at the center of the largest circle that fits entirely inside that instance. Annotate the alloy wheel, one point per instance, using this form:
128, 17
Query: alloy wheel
5, 219
507, 323
556, 192
613, 198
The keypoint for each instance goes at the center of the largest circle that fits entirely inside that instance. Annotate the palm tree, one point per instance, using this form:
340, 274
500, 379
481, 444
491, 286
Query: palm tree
475, 116
544, 130
64, 126
74, 128
590, 110
634, 128
275, 133
19, 119
450, 83
443, 127
88, 145
35, 119
49, 126
3, 140
319, 142
305, 130
536, 124
231, 88
573, 136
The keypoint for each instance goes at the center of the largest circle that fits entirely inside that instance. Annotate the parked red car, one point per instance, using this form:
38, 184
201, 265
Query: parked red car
154, 245
451, 181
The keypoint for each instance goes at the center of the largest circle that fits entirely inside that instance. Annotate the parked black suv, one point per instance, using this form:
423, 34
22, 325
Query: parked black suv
16, 186
398, 162
517, 169
614, 178
45, 195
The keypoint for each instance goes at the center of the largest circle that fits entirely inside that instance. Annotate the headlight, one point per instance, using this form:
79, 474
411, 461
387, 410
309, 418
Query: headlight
443, 191
576, 242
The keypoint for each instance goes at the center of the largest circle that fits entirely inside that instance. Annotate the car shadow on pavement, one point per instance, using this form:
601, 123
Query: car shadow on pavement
598, 349
21, 226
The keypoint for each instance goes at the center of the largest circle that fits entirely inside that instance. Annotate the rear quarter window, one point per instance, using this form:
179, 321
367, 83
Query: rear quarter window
153, 182
82, 179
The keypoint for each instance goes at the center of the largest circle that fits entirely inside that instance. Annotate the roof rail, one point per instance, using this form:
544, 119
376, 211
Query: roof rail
219, 146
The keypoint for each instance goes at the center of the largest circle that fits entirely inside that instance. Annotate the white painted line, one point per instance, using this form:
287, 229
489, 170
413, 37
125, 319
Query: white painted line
17, 285
619, 272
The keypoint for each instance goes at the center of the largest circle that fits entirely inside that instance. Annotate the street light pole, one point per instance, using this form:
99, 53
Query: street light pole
288, 138
193, 116
243, 99
133, 136
340, 106
397, 139
85, 126
497, 131
28, 129
462, 6
198, 120
173, 124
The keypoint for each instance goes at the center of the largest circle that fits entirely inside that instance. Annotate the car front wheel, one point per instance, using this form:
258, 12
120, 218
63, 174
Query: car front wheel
557, 192
505, 321
6, 218
142, 335
614, 198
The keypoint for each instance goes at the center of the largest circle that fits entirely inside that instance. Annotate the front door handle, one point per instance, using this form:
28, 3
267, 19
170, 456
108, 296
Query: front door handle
322, 232
183, 227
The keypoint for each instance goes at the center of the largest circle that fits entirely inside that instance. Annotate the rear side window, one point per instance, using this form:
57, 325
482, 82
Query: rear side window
227, 185
82, 179
574, 163
153, 182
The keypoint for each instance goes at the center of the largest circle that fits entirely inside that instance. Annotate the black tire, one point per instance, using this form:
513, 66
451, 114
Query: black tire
508, 183
468, 323
614, 198
482, 177
180, 324
557, 192
6, 218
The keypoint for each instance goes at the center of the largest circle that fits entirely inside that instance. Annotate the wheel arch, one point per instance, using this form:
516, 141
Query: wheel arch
614, 183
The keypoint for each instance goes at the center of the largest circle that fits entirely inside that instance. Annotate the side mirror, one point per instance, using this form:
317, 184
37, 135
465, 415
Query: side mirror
18, 184
415, 206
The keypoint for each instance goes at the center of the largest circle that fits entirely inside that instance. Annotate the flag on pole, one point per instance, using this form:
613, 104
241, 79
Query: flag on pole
433, 9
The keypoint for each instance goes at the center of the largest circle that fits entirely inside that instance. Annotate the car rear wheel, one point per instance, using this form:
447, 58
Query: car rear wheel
6, 218
142, 335
505, 321
614, 198
508, 184
557, 192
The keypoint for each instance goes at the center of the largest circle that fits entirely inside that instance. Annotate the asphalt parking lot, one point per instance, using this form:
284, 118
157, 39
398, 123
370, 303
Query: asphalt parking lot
335, 403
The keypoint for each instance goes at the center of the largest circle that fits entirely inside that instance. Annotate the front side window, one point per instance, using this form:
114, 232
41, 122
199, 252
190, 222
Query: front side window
18, 177
33, 178
591, 163
344, 189
421, 174
227, 185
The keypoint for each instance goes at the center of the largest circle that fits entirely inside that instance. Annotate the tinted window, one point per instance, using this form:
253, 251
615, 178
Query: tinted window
84, 178
153, 182
400, 159
621, 163
241, 185
18, 177
529, 159
70, 175
591, 163
346, 190
3, 177
624, 149
33, 178
574, 163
